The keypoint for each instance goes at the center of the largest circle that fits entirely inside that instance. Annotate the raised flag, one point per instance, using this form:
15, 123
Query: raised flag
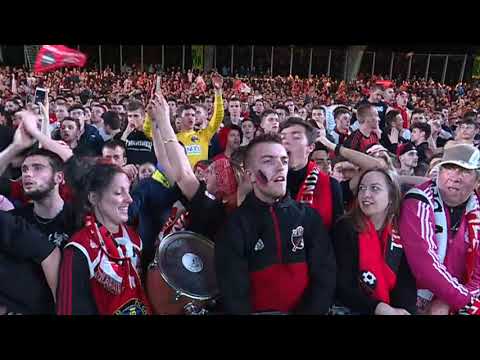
52, 57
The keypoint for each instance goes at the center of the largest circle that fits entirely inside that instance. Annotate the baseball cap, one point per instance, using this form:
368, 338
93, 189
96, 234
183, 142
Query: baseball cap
463, 155
404, 148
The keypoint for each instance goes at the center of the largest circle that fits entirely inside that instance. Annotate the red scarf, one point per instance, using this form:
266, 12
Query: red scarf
403, 112
316, 192
120, 293
378, 261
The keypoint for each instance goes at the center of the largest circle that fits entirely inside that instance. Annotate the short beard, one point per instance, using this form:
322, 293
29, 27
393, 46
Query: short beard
38, 195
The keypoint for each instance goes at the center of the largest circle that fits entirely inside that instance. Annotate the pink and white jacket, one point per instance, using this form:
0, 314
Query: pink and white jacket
420, 239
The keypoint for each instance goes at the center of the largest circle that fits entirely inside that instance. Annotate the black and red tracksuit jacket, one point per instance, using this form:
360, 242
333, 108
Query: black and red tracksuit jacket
275, 258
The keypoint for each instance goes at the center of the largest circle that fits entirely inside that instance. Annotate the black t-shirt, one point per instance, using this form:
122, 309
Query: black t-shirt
207, 214
6, 136
456, 214
139, 148
58, 230
23, 287
295, 179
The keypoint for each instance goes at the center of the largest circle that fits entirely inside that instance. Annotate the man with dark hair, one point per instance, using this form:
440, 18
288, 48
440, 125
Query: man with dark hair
139, 146
375, 99
401, 100
319, 117
270, 122
407, 155
234, 112
231, 139
420, 134
115, 152
172, 103
342, 116
89, 136
282, 112
42, 174
118, 108
392, 134
366, 134
274, 254
290, 105
418, 116
97, 118
321, 158
257, 109
111, 125
306, 183
466, 131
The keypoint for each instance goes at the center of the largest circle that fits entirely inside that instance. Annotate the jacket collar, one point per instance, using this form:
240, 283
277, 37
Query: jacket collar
253, 200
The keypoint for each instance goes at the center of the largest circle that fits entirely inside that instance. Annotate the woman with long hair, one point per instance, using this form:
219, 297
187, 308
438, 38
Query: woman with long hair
100, 270
373, 276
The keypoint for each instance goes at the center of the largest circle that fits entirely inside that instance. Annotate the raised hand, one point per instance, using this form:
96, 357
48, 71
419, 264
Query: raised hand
30, 123
217, 81
393, 136
131, 170
22, 139
327, 143
158, 108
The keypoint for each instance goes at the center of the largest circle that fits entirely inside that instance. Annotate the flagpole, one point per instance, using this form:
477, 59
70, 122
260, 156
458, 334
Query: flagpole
121, 58
100, 57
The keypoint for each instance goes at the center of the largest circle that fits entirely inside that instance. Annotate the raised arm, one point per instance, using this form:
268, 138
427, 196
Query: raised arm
183, 173
218, 108
21, 141
160, 151
364, 161
29, 121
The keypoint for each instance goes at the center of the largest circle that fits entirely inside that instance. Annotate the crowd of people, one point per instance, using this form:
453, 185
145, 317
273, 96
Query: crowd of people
321, 196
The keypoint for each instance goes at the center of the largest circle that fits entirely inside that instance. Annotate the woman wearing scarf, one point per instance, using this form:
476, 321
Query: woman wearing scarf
373, 276
100, 270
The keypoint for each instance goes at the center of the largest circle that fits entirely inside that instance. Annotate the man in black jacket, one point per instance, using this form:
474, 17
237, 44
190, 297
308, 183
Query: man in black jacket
274, 254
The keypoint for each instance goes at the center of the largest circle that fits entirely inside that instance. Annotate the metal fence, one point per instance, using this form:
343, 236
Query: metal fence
286, 60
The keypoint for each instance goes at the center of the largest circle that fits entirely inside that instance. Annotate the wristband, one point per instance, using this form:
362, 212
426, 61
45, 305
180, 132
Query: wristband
337, 149
169, 141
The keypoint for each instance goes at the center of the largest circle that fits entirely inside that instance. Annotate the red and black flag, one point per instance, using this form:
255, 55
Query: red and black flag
52, 57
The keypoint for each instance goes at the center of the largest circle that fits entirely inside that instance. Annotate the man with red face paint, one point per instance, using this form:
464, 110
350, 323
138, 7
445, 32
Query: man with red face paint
274, 254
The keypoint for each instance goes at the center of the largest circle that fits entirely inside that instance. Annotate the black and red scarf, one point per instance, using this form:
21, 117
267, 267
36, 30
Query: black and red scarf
379, 260
316, 192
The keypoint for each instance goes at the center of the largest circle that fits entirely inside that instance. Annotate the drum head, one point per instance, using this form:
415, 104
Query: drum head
186, 262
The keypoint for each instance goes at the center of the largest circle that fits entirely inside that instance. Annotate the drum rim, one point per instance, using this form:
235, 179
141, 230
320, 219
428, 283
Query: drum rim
164, 243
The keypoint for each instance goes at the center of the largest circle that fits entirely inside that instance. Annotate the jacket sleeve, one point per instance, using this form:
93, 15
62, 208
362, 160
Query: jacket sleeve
337, 196
417, 230
404, 295
320, 294
349, 293
74, 296
232, 268
217, 118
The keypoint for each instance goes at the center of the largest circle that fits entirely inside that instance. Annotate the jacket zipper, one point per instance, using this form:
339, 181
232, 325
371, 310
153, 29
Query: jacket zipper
277, 234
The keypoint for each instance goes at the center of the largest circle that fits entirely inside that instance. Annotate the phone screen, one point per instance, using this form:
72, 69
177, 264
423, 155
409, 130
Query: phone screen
39, 96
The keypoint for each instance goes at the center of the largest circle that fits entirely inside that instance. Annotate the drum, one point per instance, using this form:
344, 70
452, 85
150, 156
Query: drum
181, 279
